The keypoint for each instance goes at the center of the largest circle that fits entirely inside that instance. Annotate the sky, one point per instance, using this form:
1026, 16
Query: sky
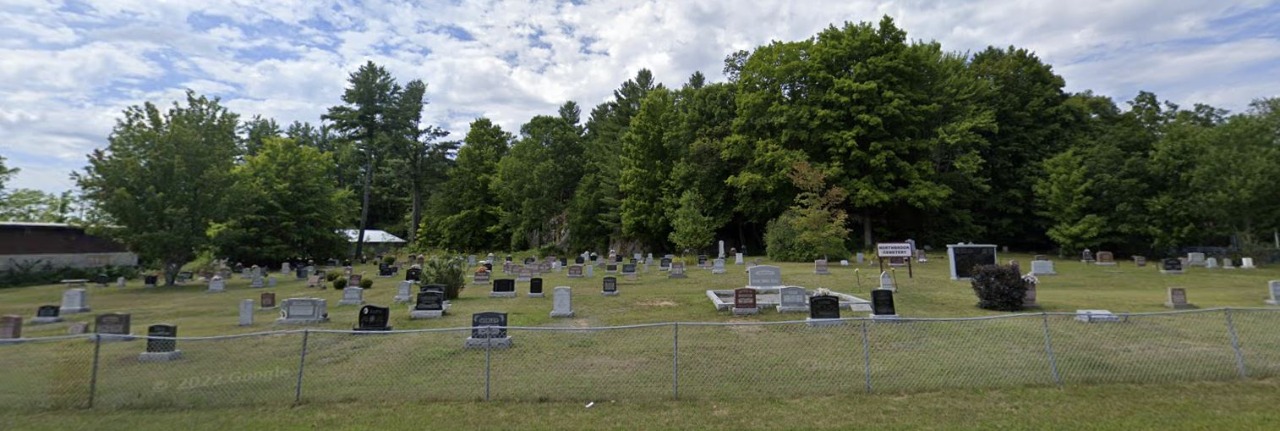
69, 68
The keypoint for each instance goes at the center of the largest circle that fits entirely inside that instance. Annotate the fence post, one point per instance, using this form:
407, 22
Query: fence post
93, 374
1235, 345
1048, 350
866, 355
488, 348
302, 365
675, 360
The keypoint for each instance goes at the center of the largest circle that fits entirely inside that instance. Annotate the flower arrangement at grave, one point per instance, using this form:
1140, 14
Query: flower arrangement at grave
822, 291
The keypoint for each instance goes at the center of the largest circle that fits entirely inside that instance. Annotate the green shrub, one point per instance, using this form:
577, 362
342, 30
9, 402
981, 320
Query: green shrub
366, 283
802, 236
40, 272
999, 287
331, 276
389, 260
450, 272
339, 284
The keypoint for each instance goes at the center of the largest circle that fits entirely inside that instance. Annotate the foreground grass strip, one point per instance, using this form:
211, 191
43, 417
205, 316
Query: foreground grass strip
1234, 406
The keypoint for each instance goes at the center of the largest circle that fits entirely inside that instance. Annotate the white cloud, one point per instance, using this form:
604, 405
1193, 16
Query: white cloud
66, 72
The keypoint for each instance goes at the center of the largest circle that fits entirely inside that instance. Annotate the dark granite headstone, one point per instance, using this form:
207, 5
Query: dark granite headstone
882, 303
112, 323
155, 345
504, 285
824, 307
535, 285
374, 318
47, 311
610, 284
969, 257
150, 280
702, 261
611, 268
1172, 264
629, 268
268, 300
489, 325
430, 301
579, 260
413, 274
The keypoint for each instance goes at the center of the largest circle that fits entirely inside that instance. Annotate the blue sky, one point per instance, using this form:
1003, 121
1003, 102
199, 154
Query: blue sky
68, 68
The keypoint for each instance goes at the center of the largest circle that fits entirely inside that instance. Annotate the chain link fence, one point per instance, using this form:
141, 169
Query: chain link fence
657, 361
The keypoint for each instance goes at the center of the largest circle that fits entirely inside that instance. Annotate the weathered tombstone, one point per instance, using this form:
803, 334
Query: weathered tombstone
1273, 288
413, 274
882, 306
162, 344
1211, 263
47, 314
149, 281
1140, 261
886, 282
217, 285
591, 271
544, 268
861, 258
823, 310
1171, 265
488, 331
284, 268
764, 276
352, 295
313, 281
664, 264
677, 270
74, 301
256, 280
430, 305
1177, 299
1195, 259
354, 281
535, 288
717, 266
303, 311
1042, 267
744, 302
1106, 258
114, 325
77, 328
820, 267
404, 292
702, 261
739, 259
246, 312
1227, 264
610, 268
575, 271
1029, 300
481, 277
1246, 263
921, 257
373, 318
721, 255
121, 282
10, 327
525, 274
1091, 316
503, 288
1086, 256
792, 299
963, 257
267, 300
562, 302
897, 261
471, 260
610, 287
629, 270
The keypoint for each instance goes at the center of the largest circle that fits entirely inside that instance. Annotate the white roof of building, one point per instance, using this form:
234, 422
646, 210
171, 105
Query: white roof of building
371, 236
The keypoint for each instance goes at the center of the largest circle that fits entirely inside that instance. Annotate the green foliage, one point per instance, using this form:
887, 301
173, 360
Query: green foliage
538, 177
998, 287
813, 228
37, 272
30, 205
388, 260
366, 283
331, 275
164, 178
450, 272
468, 217
692, 228
6, 174
340, 283
646, 165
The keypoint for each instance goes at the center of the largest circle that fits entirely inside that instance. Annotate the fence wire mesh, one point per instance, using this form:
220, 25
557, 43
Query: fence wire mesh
765, 360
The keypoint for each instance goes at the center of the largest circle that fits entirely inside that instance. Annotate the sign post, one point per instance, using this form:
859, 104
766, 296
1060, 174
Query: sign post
894, 249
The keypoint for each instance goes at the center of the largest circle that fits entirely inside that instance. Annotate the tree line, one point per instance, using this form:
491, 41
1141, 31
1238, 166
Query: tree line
809, 148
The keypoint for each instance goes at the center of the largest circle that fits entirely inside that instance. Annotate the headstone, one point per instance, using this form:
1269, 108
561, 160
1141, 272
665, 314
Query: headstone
10, 327
303, 311
861, 258
792, 299
764, 276
921, 257
115, 325
271, 281
535, 288
471, 261
413, 274
886, 282
702, 261
963, 257
162, 344
820, 267
1042, 267
404, 292
1195, 259
47, 314
246, 312
430, 305
1140, 261
1227, 263
575, 271
373, 318
313, 281
77, 328
525, 274
1273, 288
579, 260
503, 288
677, 270
75, 301
267, 300
744, 302
738, 259
284, 268
1091, 316
1246, 263
562, 302
481, 277
591, 271
1086, 256
1171, 265
217, 285
664, 264
629, 270
1106, 258
610, 268
150, 281
882, 306
121, 283
1029, 300
823, 310
844, 262
1211, 263
610, 286
352, 295
721, 255
488, 331
717, 266
1177, 299
354, 281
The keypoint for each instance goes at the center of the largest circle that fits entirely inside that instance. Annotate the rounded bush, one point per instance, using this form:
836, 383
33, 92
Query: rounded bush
340, 284
331, 276
366, 283
999, 287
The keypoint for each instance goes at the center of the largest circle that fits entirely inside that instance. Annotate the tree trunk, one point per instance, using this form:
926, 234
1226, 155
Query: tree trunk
171, 273
416, 216
866, 231
364, 210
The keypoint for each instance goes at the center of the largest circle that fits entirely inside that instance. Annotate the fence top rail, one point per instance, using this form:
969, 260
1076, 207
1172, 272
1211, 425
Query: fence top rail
92, 336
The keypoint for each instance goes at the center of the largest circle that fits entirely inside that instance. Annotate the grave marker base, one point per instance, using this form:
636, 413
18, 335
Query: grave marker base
74, 310
536, 295
401, 299
359, 329
889, 317
502, 294
1091, 316
301, 321
793, 309
609, 293
44, 320
1272, 302
425, 314
1180, 306
746, 311
160, 356
350, 302
817, 323
488, 343
565, 314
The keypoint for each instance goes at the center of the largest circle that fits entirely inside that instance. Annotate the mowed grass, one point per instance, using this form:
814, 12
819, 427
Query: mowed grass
566, 363
1184, 406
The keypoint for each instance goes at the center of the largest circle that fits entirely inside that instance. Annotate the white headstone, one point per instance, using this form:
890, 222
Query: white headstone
738, 259
1273, 287
844, 262
352, 296
1196, 259
886, 281
862, 257
764, 276
1247, 263
562, 302
246, 312
217, 285
285, 269
74, 301
793, 299
721, 255
1042, 267
120, 282
304, 310
1211, 263
591, 270
717, 266
404, 292
1226, 263
1090, 316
